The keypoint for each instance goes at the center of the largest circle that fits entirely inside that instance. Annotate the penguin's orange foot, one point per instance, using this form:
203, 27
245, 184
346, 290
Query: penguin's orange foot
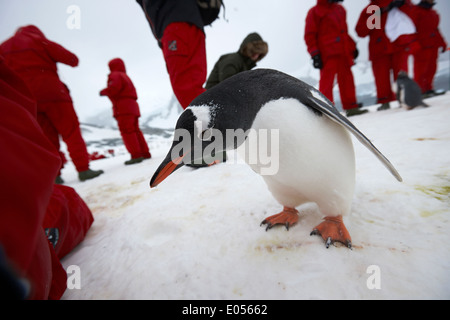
333, 229
288, 217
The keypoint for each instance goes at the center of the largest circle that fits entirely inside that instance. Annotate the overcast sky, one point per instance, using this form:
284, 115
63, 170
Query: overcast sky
117, 28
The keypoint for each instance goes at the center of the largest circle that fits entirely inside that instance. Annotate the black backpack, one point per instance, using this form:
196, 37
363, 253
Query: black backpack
209, 10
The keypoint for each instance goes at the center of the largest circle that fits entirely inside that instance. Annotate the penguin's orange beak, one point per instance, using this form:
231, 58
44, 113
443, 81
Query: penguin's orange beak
165, 170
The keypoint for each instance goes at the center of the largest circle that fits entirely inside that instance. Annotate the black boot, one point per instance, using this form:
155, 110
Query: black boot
89, 174
356, 111
384, 106
428, 94
135, 160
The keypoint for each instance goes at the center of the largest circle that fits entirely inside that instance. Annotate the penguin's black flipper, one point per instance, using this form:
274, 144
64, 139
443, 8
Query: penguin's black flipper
318, 101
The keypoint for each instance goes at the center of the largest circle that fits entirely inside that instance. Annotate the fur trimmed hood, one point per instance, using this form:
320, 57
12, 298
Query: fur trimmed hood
254, 44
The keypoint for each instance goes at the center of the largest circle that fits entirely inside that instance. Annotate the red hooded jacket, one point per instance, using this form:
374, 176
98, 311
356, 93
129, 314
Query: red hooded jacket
427, 24
33, 57
326, 31
379, 44
30, 201
27, 187
121, 90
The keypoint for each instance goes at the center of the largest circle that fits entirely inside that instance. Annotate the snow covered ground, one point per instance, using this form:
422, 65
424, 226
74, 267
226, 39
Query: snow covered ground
198, 234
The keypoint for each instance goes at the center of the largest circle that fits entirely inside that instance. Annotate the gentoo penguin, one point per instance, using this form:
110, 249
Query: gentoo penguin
315, 150
409, 92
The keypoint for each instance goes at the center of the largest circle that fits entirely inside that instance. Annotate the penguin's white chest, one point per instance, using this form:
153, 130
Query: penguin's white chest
402, 96
303, 157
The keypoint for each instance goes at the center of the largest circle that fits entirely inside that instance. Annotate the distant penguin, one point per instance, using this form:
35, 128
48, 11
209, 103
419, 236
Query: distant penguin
409, 92
316, 161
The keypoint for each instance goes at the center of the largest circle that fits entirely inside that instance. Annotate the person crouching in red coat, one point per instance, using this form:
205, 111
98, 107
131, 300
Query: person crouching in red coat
430, 40
40, 222
123, 96
333, 51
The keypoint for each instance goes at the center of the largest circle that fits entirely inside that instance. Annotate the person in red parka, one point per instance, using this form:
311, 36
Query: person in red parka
333, 51
123, 96
33, 210
33, 57
430, 40
381, 52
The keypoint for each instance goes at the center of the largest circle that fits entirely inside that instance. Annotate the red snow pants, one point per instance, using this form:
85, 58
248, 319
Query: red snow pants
52, 134
184, 50
60, 115
338, 66
400, 62
403, 47
132, 136
381, 67
425, 66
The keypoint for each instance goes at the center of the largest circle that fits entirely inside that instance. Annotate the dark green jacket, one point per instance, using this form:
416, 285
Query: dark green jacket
233, 63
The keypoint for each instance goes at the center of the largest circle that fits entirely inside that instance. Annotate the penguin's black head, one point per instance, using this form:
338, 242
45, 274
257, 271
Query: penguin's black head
402, 75
217, 120
196, 141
